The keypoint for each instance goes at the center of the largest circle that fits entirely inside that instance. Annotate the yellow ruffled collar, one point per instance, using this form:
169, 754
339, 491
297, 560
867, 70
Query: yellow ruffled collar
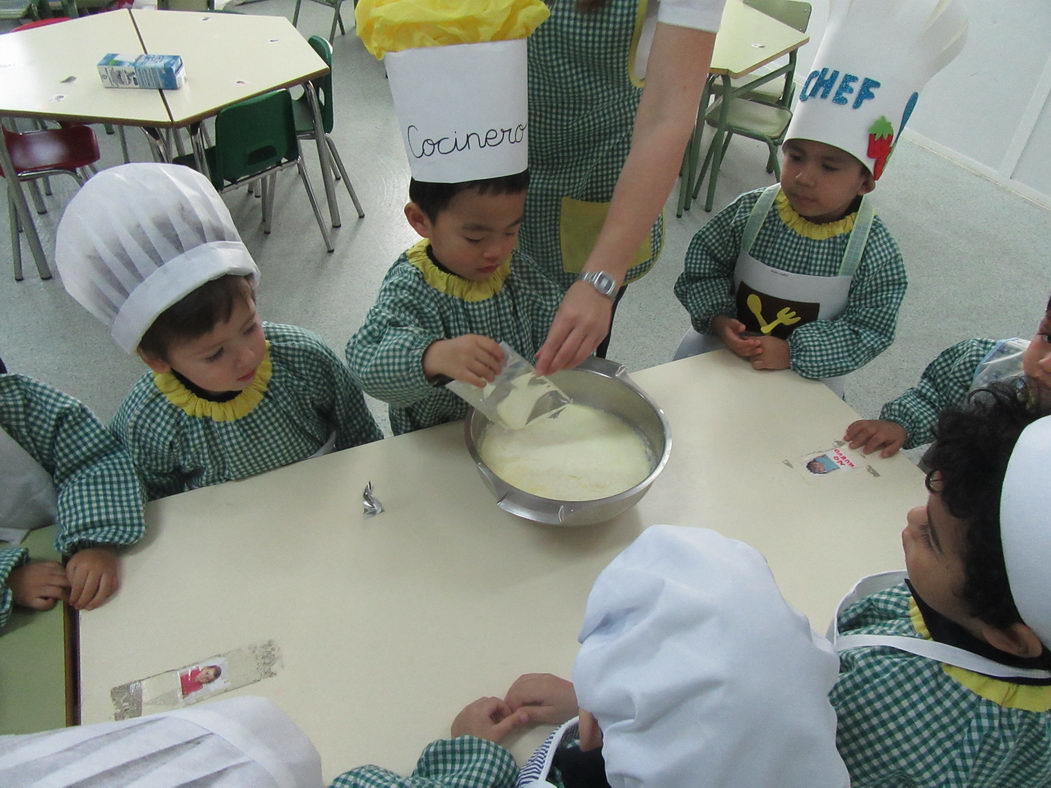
231, 410
454, 285
1028, 697
809, 229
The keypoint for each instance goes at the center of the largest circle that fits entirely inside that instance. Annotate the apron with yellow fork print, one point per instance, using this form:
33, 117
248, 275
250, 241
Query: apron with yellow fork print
772, 302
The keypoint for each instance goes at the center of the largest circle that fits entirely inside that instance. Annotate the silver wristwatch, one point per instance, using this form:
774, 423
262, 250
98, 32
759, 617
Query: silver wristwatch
601, 281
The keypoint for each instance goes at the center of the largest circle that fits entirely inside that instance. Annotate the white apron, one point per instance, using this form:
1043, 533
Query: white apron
940, 652
27, 493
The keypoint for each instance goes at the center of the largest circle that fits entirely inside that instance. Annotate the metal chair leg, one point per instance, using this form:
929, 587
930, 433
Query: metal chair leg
338, 162
295, 14
123, 144
313, 204
16, 237
38, 201
336, 19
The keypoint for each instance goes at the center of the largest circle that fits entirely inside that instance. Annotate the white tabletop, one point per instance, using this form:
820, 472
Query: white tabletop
748, 39
227, 57
388, 626
51, 72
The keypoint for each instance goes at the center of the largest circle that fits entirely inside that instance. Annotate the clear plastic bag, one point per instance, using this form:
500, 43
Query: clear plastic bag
516, 397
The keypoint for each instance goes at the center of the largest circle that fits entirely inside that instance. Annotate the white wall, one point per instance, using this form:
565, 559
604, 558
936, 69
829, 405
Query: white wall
991, 107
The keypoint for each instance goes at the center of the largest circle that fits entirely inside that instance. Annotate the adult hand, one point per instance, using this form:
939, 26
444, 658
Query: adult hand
487, 718
544, 697
730, 331
774, 353
39, 585
471, 358
873, 434
580, 325
93, 577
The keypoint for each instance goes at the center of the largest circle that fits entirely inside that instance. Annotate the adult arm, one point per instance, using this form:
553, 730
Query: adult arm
675, 76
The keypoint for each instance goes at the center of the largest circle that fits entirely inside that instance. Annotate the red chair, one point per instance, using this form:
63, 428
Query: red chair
39, 154
39, 23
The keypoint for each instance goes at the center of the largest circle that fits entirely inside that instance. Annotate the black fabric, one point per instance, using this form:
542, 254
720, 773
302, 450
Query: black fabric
3, 369
952, 634
603, 347
225, 396
580, 769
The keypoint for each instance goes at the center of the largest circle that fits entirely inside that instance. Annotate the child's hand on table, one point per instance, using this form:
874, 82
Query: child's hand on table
93, 577
39, 585
487, 718
873, 434
471, 358
730, 331
544, 697
773, 354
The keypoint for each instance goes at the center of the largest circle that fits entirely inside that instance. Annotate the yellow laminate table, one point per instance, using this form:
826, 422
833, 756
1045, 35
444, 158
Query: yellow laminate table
388, 625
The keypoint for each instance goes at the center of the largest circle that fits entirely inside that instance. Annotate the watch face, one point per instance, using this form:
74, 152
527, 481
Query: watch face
602, 282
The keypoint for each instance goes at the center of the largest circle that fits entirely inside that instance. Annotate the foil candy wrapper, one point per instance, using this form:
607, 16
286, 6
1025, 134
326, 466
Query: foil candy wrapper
370, 502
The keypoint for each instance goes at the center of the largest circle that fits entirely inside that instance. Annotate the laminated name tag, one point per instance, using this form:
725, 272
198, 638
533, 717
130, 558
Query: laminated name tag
156, 72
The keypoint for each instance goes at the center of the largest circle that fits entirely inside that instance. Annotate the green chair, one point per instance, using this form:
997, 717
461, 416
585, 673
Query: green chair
254, 140
305, 118
337, 19
766, 122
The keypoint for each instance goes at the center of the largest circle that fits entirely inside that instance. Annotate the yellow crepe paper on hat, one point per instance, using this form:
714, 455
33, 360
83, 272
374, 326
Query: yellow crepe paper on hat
394, 25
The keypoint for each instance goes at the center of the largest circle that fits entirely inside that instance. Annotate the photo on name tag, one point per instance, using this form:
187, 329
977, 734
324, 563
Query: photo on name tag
838, 461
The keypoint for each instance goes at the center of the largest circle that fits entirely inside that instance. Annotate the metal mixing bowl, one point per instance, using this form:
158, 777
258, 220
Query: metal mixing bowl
604, 385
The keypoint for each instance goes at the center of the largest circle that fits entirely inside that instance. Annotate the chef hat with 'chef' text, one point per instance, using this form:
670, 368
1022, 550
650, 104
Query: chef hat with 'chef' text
457, 73
874, 59
1025, 527
700, 673
138, 238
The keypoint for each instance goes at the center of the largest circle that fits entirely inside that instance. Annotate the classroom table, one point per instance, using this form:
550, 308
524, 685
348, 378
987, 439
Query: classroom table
51, 73
387, 626
37, 682
747, 40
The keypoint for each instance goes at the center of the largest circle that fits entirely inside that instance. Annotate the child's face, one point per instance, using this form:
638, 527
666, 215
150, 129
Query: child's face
1036, 361
822, 181
226, 358
207, 675
933, 544
475, 234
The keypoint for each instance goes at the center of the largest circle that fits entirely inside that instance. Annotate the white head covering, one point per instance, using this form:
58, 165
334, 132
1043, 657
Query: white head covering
140, 237
472, 121
1025, 527
874, 59
699, 673
226, 743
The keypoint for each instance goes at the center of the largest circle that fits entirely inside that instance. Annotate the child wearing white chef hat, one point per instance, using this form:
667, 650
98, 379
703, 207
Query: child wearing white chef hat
946, 676
458, 77
151, 250
694, 671
803, 274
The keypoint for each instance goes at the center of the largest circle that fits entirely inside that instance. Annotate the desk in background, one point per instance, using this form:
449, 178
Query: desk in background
388, 626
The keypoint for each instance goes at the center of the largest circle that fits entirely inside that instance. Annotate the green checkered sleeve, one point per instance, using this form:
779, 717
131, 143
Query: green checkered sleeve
386, 354
99, 493
10, 558
464, 762
705, 287
944, 383
903, 721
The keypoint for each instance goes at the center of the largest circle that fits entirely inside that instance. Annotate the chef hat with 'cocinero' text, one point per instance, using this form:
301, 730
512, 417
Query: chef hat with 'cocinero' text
457, 73
875, 57
138, 238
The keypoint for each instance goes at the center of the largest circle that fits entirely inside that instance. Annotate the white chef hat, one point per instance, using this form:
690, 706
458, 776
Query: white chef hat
699, 672
138, 238
1025, 527
235, 742
875, 57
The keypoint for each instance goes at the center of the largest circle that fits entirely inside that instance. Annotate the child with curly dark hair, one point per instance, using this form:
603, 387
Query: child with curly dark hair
945, 676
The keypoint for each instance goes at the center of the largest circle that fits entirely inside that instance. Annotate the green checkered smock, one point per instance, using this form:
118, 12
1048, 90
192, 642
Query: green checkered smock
10, 558
179, 441
904, 720
463, 762
419, 304
821, 348
944, 384
582, 104
99, 497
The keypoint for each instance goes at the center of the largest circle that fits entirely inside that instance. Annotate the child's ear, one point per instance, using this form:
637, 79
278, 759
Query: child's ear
419, 220
158, 365
1017, 639
868, 183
